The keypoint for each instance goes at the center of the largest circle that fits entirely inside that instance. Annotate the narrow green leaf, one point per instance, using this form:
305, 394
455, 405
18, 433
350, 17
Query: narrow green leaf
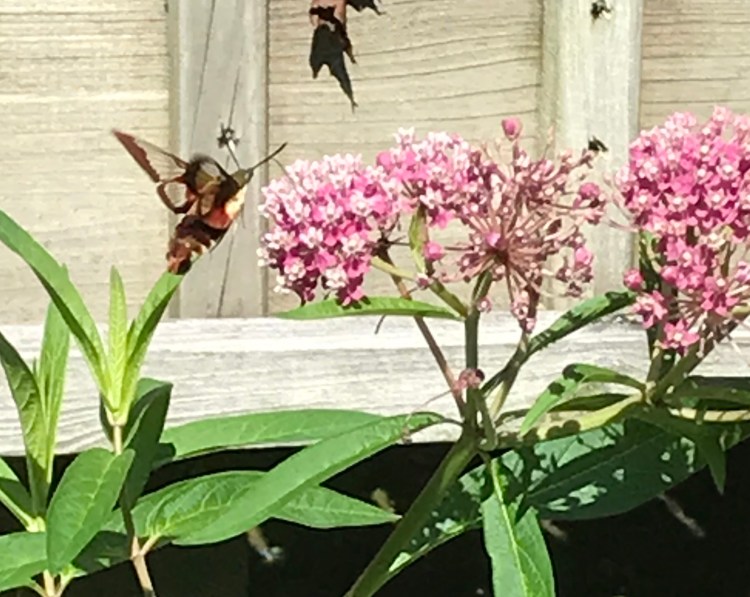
23, 558
734, 390
51, 374
142, 330
189, 506
14, 496
182, 507
565, 387
595, 474
418, 237
609, 470
581, 315
275, 427
63, 293
28, 400
143, 435
305, 469
117, 340
710, 440
458, 512
82, 503
375, 305
520, 563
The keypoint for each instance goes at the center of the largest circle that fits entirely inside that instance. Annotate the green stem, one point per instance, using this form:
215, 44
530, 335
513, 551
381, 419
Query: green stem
509, 375
137, 555
378, 572
434, 347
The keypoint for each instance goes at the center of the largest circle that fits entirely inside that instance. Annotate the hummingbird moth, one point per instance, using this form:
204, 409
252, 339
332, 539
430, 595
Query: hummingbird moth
205, 194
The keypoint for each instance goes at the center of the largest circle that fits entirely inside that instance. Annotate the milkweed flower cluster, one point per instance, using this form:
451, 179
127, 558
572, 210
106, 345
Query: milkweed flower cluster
329, 217
688, 184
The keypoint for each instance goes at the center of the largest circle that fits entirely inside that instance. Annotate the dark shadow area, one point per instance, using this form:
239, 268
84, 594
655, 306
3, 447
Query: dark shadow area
648, 552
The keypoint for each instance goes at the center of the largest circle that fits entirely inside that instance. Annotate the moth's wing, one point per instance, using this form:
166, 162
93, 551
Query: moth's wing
163, 168
160, 165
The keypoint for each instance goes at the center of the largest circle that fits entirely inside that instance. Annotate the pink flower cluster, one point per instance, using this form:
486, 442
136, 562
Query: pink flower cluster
329, 217
688, 184
520, 215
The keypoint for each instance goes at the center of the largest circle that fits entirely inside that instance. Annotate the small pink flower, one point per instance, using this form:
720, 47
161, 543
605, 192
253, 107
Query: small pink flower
677, 336
484, 304
634, 280
512, 128
652, 308
433, 251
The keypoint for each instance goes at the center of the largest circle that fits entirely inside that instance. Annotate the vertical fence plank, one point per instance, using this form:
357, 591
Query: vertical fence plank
219, 66
590, 87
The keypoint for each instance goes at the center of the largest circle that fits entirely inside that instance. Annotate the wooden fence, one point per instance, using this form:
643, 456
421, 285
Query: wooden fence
171, 72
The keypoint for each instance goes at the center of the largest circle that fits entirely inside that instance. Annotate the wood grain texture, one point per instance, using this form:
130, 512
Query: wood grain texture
430, 64
69, 72
696, 54
227, 366
219, 60
590, 86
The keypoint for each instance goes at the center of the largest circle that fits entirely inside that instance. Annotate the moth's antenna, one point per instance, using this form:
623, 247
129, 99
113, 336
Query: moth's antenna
227, 138
268, 158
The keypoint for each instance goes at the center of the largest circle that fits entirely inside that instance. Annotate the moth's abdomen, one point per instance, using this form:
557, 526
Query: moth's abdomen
192, 238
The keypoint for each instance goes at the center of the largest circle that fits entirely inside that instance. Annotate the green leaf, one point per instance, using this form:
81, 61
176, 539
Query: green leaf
710, 440
189, 506
118, 329
608, 470
306, 469
140, 333
23, 558
63, 293
143, 435
418, 238
52, 370
82, 503
13, 495
28, 400
376, 305
458, 512
581, 315
520, 563
565, 387
275, 427
734, 390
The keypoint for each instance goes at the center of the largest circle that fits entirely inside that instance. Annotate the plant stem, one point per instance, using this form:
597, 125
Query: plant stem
508, 377
437, 353
377, 572
137, 555
50, 588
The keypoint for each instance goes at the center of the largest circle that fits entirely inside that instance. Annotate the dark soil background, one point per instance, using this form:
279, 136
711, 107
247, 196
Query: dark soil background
652, 551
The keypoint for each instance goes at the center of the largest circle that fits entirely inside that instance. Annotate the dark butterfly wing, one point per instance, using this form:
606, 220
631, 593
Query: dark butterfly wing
360, 5
328, 50
327, 14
